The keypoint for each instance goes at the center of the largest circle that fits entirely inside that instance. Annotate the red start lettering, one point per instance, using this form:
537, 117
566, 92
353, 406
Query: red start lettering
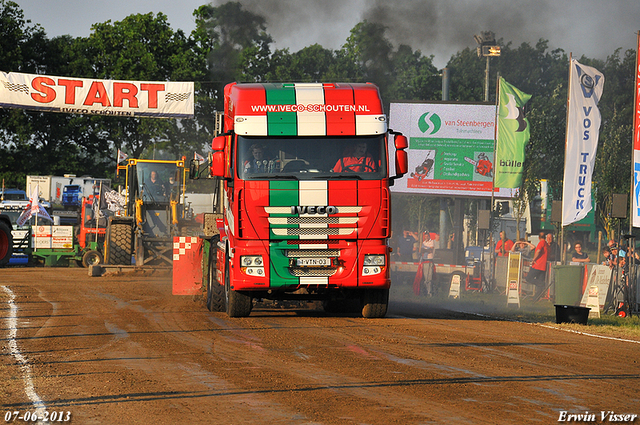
46, 94
97, 94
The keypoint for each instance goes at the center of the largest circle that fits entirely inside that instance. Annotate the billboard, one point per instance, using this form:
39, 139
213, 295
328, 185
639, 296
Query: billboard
451, 149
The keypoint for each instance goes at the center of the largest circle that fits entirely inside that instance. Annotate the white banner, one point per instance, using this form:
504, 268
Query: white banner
160, 99
583, 127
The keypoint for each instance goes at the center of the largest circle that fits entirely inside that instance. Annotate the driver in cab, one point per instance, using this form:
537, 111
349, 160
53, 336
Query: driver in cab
356, 160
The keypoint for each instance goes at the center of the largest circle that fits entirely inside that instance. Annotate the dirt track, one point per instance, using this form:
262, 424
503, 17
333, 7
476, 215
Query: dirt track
122, 349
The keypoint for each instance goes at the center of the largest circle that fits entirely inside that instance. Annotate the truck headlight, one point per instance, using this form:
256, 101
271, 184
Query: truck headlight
374, 260
252, 265
251, 260
373, 264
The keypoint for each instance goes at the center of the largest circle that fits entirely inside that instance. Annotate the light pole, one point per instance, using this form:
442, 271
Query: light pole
486, 48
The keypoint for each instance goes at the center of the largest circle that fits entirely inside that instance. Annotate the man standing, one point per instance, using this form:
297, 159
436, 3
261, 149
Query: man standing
554, 249
504, 245
405, 246
538, 268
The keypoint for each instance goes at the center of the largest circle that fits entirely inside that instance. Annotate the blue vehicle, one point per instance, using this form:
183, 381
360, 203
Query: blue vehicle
72, 196
13, 195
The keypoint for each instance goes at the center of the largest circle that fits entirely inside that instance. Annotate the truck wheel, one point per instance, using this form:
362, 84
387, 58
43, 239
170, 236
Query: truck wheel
215, 291
91, 258
238, 303
375, 303
6, 244
120, 244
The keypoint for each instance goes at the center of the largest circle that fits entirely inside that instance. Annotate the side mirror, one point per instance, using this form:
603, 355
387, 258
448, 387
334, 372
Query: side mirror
193, 169
402, 160
401, 141
218, 163
402, 163
218, 143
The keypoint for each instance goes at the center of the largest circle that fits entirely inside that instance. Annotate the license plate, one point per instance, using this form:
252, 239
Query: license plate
313, 262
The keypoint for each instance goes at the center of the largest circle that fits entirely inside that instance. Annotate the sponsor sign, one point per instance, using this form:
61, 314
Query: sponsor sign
451, 149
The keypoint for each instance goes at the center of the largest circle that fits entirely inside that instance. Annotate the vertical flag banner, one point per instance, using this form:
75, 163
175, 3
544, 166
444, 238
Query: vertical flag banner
635, 192
513, 136
583, 127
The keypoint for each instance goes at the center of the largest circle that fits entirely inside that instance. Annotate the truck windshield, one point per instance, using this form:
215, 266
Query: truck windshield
158, 182
305, 158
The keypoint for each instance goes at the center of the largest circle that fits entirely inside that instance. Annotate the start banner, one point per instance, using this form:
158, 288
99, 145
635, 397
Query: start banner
159, 99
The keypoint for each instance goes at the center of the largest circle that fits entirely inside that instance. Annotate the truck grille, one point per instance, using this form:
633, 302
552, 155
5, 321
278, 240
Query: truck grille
312, 272
313, 225
300, 253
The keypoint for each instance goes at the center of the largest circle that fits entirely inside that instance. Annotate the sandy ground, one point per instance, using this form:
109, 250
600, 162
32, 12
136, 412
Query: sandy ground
122, 349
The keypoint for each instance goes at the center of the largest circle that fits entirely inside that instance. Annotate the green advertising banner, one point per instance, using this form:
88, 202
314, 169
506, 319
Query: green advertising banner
513, 136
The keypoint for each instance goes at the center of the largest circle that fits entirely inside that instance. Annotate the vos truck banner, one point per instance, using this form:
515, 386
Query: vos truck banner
158, 99
451, 149
583, 126
635, 192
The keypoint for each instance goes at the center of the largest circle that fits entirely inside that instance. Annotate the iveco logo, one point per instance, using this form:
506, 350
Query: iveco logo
302, 209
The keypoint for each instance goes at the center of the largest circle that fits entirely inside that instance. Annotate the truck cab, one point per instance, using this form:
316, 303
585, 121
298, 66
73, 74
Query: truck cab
307, 209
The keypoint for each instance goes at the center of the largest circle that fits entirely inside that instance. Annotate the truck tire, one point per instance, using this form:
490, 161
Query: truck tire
215, 291
238, 303
120, 240
91, 258
6, 244
375, 302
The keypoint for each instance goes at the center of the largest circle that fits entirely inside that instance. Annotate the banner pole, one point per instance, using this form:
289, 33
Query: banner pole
493, 186
566, 142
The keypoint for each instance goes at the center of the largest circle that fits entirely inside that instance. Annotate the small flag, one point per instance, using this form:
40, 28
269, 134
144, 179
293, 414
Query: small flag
198, 157
121, 156
33, 207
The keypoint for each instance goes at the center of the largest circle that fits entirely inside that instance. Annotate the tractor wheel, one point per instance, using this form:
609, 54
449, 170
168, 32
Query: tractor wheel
91, 258
215, 291
120, 240
6, 244
238, 303
375, 302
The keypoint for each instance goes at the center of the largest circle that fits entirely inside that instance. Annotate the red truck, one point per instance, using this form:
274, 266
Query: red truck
307, 209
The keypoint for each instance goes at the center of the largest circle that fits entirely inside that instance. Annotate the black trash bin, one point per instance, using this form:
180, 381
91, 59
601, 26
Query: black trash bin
572, 314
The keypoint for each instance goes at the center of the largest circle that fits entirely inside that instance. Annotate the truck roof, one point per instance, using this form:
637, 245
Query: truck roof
13, 195
304, 109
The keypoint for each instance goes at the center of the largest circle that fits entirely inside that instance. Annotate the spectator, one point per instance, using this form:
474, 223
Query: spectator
606, 256
405, 245
523, 246
504, 245
538, 269
554, 249
579, 256
428, 247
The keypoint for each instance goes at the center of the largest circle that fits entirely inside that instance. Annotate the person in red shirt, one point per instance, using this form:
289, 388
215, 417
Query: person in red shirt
538, 268
356, 160
504, 245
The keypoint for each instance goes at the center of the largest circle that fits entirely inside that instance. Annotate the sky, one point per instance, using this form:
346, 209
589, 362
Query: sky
594, 28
